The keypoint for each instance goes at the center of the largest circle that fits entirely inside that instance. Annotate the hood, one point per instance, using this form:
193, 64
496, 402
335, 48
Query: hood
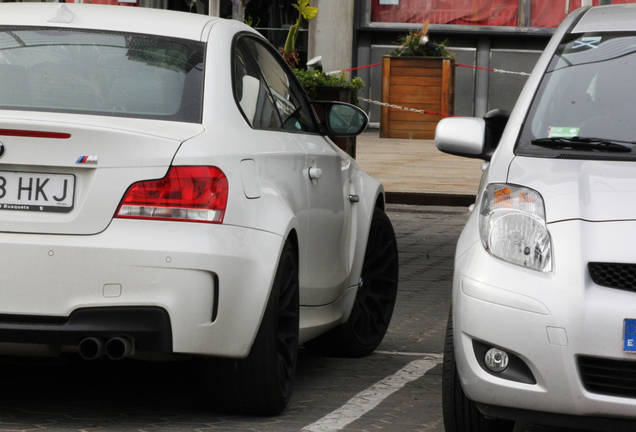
590, 190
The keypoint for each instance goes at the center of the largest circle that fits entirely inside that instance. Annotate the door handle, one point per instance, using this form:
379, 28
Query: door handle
315, 173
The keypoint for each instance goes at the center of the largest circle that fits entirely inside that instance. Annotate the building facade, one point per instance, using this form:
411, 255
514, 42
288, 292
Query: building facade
502, 34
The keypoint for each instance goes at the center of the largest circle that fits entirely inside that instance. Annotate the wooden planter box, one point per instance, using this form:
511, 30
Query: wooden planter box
423, 83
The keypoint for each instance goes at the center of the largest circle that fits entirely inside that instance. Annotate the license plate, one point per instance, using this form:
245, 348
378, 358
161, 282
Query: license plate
629, 335
36, 192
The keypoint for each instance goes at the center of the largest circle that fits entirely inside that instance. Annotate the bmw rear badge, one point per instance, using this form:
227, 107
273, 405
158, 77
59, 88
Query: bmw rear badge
91, 160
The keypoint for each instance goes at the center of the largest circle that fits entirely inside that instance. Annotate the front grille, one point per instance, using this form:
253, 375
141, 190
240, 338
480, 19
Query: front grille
608, 377
612, 275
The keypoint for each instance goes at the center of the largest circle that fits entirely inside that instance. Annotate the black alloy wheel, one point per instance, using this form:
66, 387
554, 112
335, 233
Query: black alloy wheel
375, 300
288, 322
373, 309
261, 384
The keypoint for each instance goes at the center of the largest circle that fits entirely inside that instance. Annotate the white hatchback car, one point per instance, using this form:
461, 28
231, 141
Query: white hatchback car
543, 322
166, 190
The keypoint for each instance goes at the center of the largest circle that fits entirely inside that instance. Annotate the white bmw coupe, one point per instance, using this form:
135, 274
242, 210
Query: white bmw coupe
166, 190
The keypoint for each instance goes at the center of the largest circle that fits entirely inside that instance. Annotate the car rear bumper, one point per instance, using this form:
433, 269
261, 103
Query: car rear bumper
212, 281
149, 327
550, 321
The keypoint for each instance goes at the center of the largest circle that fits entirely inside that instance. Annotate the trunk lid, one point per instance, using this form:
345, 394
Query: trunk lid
73, 183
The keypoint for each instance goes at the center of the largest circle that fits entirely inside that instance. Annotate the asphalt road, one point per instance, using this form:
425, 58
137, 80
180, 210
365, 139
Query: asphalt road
397, 388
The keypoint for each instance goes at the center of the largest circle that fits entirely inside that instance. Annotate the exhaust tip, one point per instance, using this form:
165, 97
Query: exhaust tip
118, 348
91, 348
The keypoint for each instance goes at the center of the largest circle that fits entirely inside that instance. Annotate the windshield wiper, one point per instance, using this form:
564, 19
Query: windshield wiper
585, 143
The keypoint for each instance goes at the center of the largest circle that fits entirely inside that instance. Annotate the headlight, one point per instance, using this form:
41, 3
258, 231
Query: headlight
512, 226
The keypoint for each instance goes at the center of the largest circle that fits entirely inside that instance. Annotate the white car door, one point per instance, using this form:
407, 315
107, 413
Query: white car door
326, 224
330, 218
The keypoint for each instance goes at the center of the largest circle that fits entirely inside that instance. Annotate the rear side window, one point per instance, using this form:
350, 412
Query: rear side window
101, 73
266, 91
250, 90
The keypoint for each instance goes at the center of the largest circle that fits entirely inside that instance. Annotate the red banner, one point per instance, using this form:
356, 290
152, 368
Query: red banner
544, 13
471, 12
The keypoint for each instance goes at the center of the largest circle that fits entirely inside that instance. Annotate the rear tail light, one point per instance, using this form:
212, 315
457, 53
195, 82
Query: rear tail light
194, 194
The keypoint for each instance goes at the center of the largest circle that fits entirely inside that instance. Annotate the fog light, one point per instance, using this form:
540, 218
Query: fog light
496, 360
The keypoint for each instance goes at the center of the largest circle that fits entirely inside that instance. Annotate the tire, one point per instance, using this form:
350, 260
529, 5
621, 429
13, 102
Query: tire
460, 413
261, 384
375, 300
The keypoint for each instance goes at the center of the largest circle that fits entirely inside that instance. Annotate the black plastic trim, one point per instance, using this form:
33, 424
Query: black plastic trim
606, 376
215, 306
601, 424
517, 369
149, 326
613, 275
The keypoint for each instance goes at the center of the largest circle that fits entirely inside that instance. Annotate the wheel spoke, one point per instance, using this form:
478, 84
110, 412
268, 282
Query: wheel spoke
381, 269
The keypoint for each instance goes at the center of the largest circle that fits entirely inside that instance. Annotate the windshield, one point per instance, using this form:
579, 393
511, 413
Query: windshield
588, 91
100, 73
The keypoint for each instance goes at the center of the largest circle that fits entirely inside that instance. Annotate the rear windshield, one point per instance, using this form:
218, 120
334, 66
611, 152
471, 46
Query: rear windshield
101, 73
588, 91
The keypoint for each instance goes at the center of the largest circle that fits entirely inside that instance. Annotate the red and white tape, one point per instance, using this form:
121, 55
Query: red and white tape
413, 109
456, 64
406, 108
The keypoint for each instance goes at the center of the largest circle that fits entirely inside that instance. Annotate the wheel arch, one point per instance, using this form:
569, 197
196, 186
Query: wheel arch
371, 193
379, 202
292, 238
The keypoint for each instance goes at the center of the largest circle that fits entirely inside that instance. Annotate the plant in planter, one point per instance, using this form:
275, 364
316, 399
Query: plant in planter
289, 50
419, 74
332, 87
417, 44
313, 81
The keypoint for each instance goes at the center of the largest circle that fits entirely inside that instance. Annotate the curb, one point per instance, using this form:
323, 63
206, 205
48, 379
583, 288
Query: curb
432, 199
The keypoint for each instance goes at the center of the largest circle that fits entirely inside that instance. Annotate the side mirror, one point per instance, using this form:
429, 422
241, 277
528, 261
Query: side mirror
471, 137
341, 119
461, 136
496, 121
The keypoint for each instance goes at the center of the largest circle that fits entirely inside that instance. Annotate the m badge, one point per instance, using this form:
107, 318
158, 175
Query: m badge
92, 160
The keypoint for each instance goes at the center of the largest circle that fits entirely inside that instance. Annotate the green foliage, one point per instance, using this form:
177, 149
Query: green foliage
304, 11
410, 46
309, 12
311, 79
250, 21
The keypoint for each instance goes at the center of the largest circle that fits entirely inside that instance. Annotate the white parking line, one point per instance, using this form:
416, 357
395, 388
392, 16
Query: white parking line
368, 399
413, 354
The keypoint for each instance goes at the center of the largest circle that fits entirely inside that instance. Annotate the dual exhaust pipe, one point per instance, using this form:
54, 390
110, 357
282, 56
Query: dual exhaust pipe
117, 348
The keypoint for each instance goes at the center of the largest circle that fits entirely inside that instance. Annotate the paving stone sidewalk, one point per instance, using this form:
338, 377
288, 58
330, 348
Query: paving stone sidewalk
416, 166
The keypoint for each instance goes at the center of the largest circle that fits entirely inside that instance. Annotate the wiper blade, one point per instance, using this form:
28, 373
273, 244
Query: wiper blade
585, 143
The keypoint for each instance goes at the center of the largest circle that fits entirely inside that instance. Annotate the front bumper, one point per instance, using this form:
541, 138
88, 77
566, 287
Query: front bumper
548, 320
212, 281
